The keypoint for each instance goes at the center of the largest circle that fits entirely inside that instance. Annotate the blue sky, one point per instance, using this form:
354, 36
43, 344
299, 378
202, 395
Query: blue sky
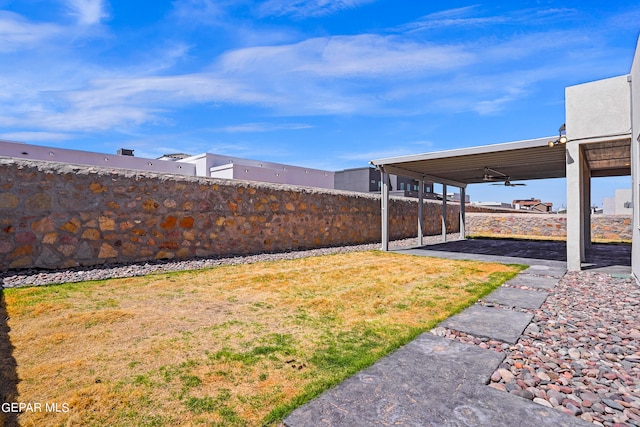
316, 83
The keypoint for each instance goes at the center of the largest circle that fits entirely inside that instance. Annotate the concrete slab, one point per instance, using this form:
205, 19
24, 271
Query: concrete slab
514, 297
491, 322
538, 282
557, 270
537, 266
552, 254
432, 381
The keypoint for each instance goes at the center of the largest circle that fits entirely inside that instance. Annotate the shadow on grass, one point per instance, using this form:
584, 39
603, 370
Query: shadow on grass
8, 372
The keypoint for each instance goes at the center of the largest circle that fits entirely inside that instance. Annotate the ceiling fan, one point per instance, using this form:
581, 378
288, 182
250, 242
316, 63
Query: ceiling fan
492, 175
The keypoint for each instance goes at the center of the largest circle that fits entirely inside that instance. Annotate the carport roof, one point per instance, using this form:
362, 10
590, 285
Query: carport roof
520, 160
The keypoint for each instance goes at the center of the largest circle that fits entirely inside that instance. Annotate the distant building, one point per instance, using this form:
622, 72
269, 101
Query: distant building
207, 164
173, 157
501, 205
362, 180
620, 204
367, 180
455, 197
532, 205
227, 167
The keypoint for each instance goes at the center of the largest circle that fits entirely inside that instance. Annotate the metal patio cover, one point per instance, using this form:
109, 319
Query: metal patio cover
530, 159
520, 160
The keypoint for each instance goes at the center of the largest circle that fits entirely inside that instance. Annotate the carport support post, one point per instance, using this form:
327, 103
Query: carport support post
463, 198
578, 206
420, 210
385, 209
444, 212
586, 210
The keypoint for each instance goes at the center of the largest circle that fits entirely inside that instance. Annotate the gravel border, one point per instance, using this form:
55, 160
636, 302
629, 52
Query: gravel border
38, 277
581, 352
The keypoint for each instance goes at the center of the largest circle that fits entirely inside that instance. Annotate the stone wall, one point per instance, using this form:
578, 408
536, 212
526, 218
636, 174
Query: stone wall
603, 227
55, 215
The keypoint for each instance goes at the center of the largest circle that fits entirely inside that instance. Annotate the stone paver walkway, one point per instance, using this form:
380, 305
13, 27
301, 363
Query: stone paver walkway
432, 381
436, 381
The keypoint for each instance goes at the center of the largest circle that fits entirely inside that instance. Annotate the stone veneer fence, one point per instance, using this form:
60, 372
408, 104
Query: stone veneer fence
603, 227
55, 215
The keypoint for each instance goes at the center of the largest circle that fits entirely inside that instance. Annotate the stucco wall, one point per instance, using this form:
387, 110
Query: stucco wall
599, 108
635, 158
55, 215
603, 227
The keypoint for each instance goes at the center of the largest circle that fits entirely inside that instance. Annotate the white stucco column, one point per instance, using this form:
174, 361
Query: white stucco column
463, 218
420, 210
444, 212
384, 177
576, 217
586, 208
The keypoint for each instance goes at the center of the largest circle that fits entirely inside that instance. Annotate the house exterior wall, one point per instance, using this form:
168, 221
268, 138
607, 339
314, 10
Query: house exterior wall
635, 160
597, 109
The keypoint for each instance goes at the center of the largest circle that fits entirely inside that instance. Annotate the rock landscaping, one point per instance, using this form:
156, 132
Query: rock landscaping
581, 352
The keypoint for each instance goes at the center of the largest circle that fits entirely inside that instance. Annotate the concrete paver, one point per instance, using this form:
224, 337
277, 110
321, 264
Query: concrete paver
539, 282
556, 271
513, 297
490, 322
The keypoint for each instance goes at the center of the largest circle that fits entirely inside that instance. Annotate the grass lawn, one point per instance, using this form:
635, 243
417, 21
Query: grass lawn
232, 345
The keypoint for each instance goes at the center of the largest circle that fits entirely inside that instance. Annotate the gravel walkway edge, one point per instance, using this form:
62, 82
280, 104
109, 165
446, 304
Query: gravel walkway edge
39, 277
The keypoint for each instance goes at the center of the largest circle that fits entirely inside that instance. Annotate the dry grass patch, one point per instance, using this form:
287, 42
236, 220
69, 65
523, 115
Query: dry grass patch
232, 345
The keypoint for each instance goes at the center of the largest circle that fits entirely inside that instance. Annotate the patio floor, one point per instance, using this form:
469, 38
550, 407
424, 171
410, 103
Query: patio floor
610, 258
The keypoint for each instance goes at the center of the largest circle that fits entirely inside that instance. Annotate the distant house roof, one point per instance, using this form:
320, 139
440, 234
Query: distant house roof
174, 156
533, 204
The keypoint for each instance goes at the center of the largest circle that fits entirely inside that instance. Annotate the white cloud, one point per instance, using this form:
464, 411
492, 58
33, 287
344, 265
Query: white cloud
108, 103
628, 19
459, 17
470, 16
162, 91
306, 8
29, 137
348, 56
360, 74
264, 127
355, 74
17, 33
87, 12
